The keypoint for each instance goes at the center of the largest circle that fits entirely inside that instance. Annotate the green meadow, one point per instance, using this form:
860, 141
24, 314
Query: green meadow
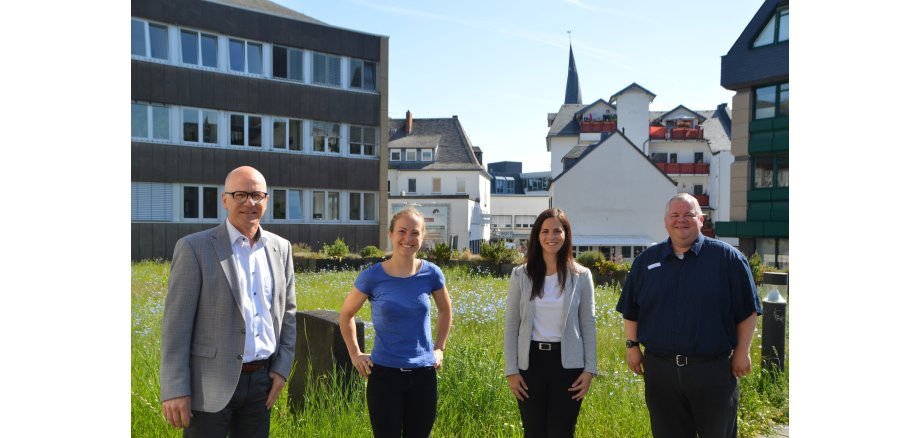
474, 400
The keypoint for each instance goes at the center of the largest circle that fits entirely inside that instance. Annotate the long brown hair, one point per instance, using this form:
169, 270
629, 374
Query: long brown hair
536, 266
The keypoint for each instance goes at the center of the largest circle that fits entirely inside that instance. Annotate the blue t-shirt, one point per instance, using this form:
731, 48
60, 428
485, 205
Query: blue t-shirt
400, 309
690, 306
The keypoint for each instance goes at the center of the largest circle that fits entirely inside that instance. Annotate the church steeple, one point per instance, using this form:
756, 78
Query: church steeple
572, 88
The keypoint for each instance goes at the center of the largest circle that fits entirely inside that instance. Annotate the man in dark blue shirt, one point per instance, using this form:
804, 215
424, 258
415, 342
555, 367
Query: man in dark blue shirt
691, 302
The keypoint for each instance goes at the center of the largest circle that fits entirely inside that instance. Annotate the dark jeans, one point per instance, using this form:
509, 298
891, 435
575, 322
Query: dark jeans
402, 403
549, 411
244, 416
700, 397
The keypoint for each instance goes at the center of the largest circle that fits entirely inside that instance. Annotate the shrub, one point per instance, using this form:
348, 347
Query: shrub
440, 254
337, 250
466, 254
756, 267
372, 251
496, 253
590, 258
606, 267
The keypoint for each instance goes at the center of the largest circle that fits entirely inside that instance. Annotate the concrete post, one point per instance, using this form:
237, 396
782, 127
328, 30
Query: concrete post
320, 351
773, 340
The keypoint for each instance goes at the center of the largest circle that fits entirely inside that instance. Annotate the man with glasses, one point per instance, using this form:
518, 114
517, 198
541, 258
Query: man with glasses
691, 302
228, 323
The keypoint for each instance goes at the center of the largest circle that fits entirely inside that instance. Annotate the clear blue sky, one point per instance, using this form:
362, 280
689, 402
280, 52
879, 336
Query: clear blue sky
500, 66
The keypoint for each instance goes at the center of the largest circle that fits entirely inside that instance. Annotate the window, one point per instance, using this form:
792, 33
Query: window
672, 158
427, 155
436, 185
151, 201
637, 250
326, 206
287, 63
501, 221
327, 69
697, 189
776, 31
245, 130
286, 204
245, 56
199, 48
199, 202
363, 141
362, 206
626, 251
411, 185
149, 121
149, 40
363, 75
199, 126
768, 99
461, 185
697, 157
411, 154
287, 134
524, 221
771, 171
395, 155
659, 157
325, 137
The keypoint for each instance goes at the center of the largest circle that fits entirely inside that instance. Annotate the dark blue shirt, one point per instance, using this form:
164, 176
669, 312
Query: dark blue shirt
690, 306
400, 312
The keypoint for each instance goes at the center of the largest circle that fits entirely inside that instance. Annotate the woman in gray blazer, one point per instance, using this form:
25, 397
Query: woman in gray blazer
550, 330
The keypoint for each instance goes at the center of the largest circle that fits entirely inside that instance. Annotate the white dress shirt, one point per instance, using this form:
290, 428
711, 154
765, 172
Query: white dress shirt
255, 281
548, 314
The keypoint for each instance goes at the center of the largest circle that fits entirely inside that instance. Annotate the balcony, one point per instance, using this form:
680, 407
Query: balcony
598, 125
674, 133
684, 168
703, 200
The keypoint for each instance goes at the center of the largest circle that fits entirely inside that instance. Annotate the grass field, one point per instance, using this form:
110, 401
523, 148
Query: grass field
474, 400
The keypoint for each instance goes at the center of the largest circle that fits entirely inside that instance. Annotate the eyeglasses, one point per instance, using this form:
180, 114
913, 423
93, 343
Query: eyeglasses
241, 196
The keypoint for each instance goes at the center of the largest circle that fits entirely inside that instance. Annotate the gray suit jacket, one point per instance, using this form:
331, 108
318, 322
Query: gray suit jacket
203, 329
579, 332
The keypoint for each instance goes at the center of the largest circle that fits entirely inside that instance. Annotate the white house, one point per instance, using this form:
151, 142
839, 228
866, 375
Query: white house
434, 167
615, 163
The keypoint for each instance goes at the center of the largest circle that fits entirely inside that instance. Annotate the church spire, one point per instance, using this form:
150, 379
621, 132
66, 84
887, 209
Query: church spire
572, 88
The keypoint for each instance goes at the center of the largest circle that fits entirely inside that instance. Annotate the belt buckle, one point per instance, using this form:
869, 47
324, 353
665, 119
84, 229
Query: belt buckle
406, 370
548, 346
677, 360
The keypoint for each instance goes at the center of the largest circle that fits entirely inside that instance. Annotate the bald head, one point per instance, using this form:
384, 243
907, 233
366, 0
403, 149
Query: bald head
243, 175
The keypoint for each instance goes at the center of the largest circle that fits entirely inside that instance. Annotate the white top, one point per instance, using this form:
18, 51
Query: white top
255, 280
548, 314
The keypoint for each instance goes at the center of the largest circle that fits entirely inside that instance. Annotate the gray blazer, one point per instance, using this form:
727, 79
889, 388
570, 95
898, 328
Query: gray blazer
579, 332
203, 329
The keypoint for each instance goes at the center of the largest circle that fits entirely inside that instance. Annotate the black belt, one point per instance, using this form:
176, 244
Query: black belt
546, 346
682, 360
255, 365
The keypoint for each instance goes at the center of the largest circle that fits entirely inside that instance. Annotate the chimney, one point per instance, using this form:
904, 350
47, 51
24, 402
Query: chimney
408, 122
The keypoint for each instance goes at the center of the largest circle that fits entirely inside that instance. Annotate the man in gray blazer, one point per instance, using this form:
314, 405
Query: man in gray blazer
228, 324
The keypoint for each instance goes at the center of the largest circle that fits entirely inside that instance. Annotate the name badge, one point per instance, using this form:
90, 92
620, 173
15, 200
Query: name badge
654, 265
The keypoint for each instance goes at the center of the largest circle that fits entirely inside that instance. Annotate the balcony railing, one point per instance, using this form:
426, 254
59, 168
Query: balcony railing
598, 126
703, 200
685, 168
673, 133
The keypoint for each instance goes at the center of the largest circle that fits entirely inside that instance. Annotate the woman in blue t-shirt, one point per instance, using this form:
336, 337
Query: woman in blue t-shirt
402, 387
550, 331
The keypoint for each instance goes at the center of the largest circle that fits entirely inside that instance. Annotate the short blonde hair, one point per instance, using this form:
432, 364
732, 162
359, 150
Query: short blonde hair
687, 198
405, 212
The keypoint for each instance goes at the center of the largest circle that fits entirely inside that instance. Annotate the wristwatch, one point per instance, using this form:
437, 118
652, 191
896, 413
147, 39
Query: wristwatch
631, 343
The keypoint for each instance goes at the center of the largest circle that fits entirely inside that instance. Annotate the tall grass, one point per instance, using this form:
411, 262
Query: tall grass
474, 400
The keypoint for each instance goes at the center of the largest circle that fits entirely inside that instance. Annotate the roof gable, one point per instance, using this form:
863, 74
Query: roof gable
681, 112
454, 149
633, 86
596, 109
587, 150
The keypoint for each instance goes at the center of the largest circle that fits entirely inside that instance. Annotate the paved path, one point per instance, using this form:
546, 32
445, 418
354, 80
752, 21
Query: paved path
780, 432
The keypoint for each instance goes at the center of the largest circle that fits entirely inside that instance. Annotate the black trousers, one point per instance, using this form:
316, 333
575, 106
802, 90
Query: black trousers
698, 398
402, 403
549, 411
244, 416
